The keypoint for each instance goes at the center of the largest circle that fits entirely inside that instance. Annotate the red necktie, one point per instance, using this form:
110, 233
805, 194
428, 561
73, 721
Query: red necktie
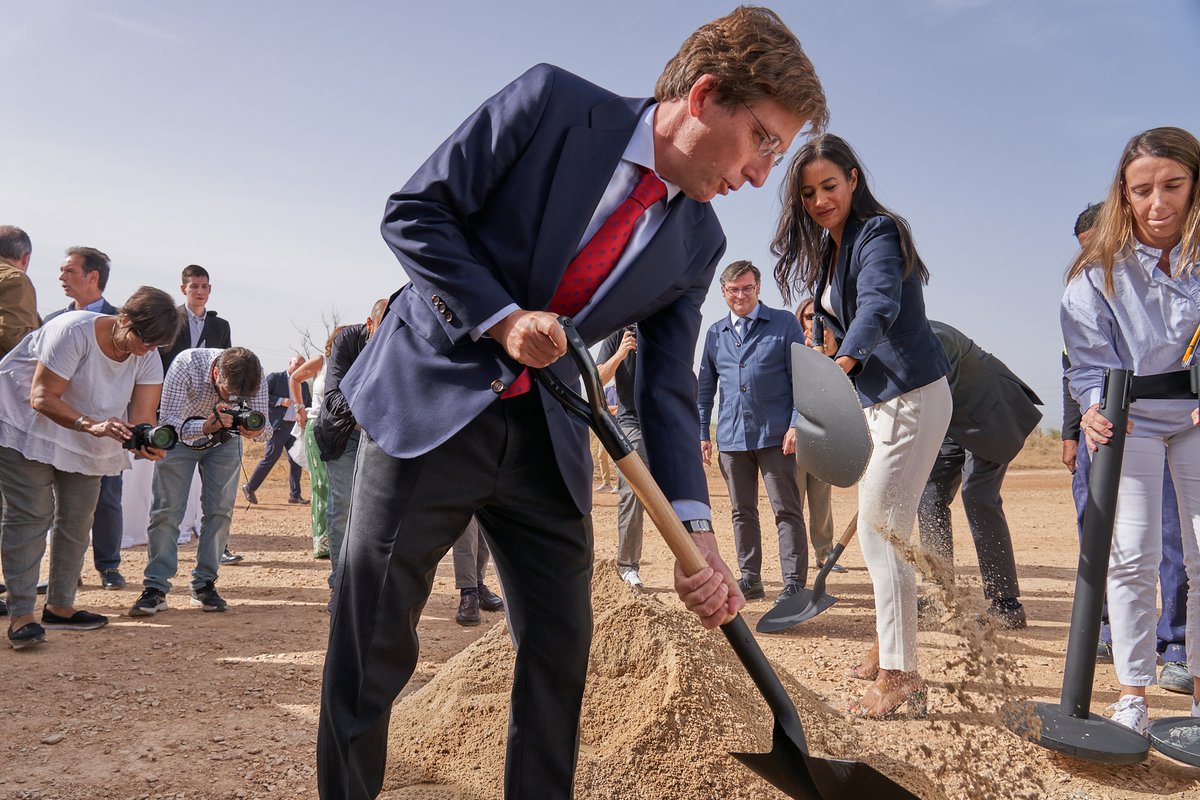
597, 259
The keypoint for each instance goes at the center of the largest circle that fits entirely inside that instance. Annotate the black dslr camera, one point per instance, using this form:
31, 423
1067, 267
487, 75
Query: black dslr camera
245, 417
163, 437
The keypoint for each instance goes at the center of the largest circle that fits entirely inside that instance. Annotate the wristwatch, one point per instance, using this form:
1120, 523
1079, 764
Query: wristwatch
698, 526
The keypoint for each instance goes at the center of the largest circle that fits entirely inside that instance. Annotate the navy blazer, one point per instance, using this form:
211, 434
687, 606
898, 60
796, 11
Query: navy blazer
881, 318
493, 218
280, 388
755, 379
105, 308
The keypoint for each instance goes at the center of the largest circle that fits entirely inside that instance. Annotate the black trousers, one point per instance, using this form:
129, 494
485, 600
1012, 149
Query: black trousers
981, 481
406, 514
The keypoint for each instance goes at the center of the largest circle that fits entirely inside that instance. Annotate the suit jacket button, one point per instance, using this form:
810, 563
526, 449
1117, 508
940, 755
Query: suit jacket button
497, 386
437, 301
447, 316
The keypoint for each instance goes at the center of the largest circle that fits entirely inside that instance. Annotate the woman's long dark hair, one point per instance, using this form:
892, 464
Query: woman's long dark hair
802, 245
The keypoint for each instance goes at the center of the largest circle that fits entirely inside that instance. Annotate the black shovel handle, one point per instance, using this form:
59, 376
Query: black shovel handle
594, 411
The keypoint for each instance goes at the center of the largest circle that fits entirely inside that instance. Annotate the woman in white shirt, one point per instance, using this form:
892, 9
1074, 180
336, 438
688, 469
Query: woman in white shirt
1132, 302
70, 394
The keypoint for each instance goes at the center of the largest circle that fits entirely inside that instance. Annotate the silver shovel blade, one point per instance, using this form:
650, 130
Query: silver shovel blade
832, 440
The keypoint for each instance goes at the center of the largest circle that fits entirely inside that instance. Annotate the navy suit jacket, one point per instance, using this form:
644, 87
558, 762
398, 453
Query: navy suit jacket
880, 314
755, 379
494, 217
105, 308
279, 388
994, 410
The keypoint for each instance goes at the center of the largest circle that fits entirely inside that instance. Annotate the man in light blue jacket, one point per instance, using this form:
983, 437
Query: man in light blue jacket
748, 356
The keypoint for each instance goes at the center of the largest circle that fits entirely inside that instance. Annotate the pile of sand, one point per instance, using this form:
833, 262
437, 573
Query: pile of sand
665, 703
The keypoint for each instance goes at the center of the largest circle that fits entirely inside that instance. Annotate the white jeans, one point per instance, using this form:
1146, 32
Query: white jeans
907, 432
1137, 550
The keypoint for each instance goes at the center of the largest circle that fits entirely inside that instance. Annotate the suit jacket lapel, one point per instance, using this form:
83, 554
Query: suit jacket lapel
650, 274
588, 159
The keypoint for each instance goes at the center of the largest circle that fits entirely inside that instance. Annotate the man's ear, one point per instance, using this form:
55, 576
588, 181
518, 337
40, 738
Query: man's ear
704, 92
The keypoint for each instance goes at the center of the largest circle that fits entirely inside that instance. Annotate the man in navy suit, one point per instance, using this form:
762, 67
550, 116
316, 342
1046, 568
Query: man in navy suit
486, 230
282, 417
83, 276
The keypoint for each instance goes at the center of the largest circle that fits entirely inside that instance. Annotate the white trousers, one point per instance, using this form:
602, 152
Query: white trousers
1137, 550
906, 432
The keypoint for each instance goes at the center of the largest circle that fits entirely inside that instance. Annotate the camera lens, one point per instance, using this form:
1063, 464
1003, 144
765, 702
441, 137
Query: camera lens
163, 437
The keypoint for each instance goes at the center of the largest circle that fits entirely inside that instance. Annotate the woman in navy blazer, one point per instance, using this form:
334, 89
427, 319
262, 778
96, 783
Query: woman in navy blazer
857, 258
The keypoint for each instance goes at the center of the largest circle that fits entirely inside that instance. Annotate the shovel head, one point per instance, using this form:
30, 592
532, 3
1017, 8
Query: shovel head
800, 607
797, 774
832, 440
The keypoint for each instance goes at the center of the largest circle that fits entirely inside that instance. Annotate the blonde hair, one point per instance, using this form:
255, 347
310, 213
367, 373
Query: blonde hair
753, 55
1113, 235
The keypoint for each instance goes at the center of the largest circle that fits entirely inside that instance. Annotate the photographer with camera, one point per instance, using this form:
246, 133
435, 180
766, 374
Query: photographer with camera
212, 398
64, 391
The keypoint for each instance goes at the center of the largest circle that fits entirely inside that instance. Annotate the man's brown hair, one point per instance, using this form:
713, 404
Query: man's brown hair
240, 371
753, 56
737, 269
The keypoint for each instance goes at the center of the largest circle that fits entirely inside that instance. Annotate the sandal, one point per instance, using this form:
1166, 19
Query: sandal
876, 704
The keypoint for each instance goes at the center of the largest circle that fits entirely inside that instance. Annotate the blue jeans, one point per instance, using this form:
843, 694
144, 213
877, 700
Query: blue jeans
339, 475
169, 493
1172, 576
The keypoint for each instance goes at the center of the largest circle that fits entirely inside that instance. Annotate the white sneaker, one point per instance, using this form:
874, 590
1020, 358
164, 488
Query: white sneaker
1131, 712
604, 487
634, 580
1195, 708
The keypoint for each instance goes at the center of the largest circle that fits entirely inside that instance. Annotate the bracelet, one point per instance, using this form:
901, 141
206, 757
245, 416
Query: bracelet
79, 422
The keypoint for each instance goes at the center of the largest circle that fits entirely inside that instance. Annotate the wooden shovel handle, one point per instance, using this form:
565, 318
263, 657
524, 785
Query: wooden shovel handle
849, 533
660, 510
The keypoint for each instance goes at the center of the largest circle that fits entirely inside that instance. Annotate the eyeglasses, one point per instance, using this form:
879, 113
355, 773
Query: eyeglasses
736, 291
769, 144
147, 344
809, 317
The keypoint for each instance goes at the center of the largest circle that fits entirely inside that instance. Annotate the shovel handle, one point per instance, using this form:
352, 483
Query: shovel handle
849, 532
594, 411
834, 555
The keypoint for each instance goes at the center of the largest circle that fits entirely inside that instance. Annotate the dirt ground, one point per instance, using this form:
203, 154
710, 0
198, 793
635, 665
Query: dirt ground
193, 705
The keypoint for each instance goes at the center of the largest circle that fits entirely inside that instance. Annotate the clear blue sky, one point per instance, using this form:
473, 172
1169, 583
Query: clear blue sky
261, 139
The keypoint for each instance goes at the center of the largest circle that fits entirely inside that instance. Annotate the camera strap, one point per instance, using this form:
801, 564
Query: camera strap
207, 442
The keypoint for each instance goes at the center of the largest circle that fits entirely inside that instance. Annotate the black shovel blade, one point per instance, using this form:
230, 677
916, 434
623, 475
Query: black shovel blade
791, 611
797, 774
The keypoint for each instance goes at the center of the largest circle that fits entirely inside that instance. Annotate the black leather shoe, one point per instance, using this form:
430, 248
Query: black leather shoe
489, 600
789, 590
249, 494
299, 501
3, 609
112, 579
468, 608
751, 590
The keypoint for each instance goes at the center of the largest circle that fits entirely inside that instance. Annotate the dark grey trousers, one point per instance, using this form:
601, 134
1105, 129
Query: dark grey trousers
741, 469
407, 514
981, 481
